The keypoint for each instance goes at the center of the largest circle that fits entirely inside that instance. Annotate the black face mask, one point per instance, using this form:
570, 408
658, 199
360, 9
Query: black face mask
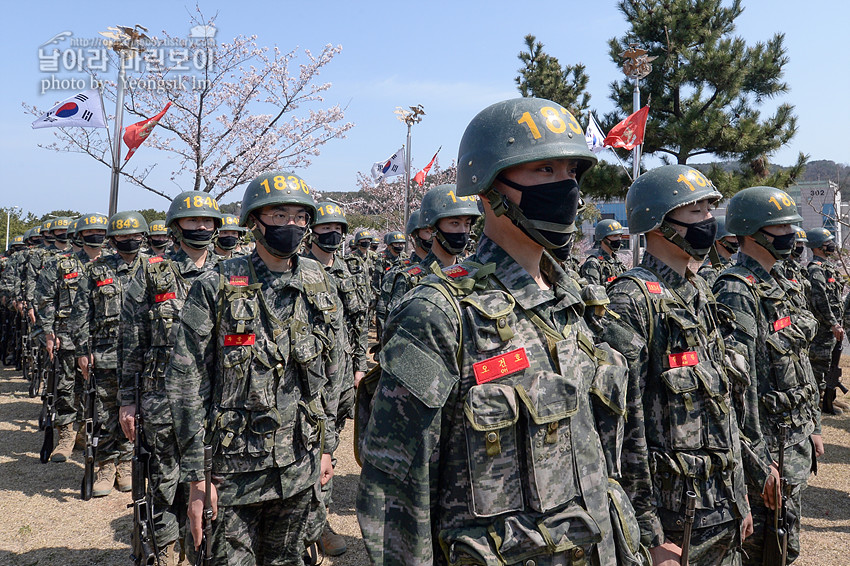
614, 244
829, 248
397, 248
197, 239
374, 247
550, 209
798, 251
781, 245
281, 241
700, 235
94, 240
329, 241
228, 242
158, 242
452, 243
363, 246
61, 238
127, 246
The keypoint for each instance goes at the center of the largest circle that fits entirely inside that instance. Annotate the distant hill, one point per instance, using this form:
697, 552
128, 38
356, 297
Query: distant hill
816, 170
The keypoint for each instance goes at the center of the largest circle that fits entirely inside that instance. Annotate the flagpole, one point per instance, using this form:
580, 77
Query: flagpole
409, 117
116, 140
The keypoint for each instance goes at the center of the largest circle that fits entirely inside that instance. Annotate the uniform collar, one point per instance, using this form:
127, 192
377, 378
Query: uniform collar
680, 284
185, 263
751, 264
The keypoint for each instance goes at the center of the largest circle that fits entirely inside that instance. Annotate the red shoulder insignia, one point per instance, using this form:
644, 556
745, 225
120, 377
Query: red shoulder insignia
455, 271
611, 278
415, 270
653, 287
76, 273
601, 257
831, 280
239, 280
781, 323
154, 259
239, 339
751, 279
104, 282
500, 366
683, 359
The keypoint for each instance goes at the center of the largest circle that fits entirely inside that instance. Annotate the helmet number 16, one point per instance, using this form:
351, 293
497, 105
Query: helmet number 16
553, 120
692, 177
785, 200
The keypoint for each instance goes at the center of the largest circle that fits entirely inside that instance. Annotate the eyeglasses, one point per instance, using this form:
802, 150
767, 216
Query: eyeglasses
282, 218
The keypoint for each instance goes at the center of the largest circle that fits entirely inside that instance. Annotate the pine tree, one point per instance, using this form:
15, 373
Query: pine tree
706, 84
543, 77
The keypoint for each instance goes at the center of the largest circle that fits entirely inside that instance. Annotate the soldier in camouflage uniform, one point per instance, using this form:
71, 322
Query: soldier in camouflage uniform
726, 245
393, 257
150, 307
97, 318
775, 334
229, 237
255, 373
413, 229
681, 432
492, 435
158, 240
825, 303
51, 245
329, 229
602, 264
420, 236
449, 218
55, 294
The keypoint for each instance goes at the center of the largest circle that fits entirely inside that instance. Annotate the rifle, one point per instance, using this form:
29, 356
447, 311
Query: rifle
689, 525
204, 557
777, 529
833, 377
27, 360
92, 435
143, 544
48, 408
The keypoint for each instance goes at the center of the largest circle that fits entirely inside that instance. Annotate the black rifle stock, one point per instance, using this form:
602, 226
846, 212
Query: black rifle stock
48, 409
778, 521
143, 543
92, 435
833, 378
689, 525
204, 557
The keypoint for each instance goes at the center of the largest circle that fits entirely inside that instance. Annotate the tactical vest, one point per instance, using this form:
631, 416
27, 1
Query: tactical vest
352, 287
522, 471
609, 268
267, 409
68, 271
792, 395
107, 292
833, 287
694, 447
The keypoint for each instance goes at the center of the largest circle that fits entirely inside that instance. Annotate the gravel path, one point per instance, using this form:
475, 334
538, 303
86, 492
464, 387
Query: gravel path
43, 522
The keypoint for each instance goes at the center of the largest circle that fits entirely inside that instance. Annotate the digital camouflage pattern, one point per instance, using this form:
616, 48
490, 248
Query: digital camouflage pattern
775, 333
470, 456
151, 304
403, 279
255, 373
681, 431
600, 267
709, 273
826, 304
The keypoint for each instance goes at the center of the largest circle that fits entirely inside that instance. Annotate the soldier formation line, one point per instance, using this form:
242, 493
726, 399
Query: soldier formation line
527, 408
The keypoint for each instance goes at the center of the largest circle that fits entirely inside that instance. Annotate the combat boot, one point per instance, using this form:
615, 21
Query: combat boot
104, 480
828, 408
840, 403
124, 475
169, 555
331, 543
63, 450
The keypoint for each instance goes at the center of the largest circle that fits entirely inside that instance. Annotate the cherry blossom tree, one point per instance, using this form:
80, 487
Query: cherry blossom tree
249, 109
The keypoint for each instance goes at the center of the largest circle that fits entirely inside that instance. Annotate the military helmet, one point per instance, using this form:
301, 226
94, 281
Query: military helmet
92, 221
722, 231
817, 237
362, 235
231, 222
18, 240
157, 228
657, 192
28, 234
190, 204
517, 131
605, 228
127, 222
801, 234
414, 222
395, 237
442, 201
328, 213
753, 208
61, 223
276, 188
47, 226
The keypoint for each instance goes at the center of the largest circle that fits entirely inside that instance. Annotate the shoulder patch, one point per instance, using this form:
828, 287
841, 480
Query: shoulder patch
751, 279
415, 270
455, 271
653, 287
154, 259
239, 280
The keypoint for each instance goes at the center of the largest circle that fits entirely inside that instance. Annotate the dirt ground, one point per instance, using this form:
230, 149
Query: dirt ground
43, 521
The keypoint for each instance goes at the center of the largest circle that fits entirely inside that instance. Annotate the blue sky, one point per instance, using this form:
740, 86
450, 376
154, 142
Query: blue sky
454, 58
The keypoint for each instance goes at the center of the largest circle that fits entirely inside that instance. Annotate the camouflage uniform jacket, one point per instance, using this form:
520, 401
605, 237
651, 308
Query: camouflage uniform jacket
254, 352
149, 309
681, 430
600, 267
797, 280
97, 308
31, 270
403, 279
10, 284
708, 272
825, 299
774, 334
491, 440
55, 293
369, 259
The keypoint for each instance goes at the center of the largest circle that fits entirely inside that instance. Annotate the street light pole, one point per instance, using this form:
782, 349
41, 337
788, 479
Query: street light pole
409, 117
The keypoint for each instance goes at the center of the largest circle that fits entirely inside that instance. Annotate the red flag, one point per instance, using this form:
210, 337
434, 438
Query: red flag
628, 133
420, 177
136, 134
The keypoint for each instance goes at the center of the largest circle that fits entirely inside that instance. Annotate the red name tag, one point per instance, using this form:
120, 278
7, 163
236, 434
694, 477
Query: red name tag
781, 323
792, 280
239, 339
683, 359
155, 259
71, 275
751, 279
414, 270
104, 282
500, 366
239, 280
164, 297
455, 271
612, 278
831, 280
653, 287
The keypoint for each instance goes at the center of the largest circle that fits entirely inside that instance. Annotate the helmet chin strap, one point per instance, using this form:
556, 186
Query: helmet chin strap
766, 244
501, 205
671, 235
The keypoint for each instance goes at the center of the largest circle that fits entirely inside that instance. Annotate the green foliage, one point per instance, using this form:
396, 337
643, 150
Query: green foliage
542, 76
605, 181
57, 213
18, 223
755, 173
150, 214
706, 85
